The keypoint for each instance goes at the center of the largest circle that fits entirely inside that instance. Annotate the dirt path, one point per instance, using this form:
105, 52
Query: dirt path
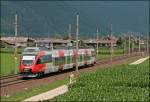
139, 61
48, 95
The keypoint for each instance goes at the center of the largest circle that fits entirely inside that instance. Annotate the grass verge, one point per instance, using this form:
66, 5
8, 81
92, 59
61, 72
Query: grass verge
34, 91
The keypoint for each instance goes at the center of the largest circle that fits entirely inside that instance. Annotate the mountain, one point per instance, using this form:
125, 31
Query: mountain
51, 18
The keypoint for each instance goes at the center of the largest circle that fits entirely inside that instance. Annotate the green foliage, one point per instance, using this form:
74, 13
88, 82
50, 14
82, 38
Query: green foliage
7, 63
120, 41
120, 83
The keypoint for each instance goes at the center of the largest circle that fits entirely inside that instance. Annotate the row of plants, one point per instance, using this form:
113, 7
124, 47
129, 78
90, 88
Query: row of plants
118, 83
11, 50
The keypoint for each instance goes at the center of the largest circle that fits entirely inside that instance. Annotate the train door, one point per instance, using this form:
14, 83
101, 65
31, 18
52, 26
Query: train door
40, 66
45, 63
47, 59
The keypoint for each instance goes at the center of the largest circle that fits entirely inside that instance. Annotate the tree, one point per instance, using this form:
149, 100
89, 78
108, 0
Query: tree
120, 41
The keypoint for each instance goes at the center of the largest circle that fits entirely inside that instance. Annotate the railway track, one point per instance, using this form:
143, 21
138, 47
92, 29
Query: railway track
6, 81
10, 80
8, 76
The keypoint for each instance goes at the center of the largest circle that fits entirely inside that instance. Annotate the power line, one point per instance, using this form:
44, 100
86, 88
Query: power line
86, 19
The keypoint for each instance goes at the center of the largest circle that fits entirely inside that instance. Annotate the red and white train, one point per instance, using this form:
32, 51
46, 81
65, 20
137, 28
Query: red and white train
36, 62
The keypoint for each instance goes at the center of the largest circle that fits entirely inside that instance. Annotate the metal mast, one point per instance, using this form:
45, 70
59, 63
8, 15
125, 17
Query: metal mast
97, 40
69, 32
139, 44
124, 44
15, 53
77, 34
132, 39
111, 42
147, 42
129, 43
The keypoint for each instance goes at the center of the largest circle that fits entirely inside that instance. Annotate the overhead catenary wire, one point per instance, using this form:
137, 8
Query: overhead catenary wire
86, 19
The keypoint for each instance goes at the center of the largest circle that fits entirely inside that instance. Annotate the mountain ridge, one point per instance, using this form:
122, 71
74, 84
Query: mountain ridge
49, 19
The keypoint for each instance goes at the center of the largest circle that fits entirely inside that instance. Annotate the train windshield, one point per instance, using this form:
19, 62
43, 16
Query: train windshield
28, 60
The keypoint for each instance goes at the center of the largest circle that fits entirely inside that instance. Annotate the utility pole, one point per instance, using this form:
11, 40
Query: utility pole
124, 44
51, 45
36, 43
139, 44
15, 53
111, 42
132, 47
129, 43
69, 32
77, 34
97, 41
147, 43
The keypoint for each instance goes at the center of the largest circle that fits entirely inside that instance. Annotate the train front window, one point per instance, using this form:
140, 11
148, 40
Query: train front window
28, 60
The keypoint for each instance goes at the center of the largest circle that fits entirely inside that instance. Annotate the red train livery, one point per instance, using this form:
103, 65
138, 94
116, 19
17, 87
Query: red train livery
36, 62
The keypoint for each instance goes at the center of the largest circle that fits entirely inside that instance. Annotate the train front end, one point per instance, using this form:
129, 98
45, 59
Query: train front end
27, 66
27, 63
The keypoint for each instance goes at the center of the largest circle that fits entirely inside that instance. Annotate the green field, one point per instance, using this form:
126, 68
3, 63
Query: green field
7, 63
11, 50
18, 97
105, 52
118, 83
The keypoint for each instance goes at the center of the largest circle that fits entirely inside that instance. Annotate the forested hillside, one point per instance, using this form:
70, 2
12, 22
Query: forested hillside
45, 19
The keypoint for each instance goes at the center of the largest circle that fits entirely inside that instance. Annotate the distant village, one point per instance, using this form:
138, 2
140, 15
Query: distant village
25, 41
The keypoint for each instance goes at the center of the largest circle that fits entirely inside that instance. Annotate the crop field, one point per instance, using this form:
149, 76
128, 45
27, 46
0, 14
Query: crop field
7, 63
7, 60
119, 83
105, 52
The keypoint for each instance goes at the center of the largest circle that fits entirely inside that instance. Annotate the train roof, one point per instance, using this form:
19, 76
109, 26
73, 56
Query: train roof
33, 50
72, 47
36, 50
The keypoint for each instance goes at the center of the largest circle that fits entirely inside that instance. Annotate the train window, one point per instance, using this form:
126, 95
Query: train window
63, 61
93, 53
69, 59
80, 58
74, 59
27, 62
46, 59
60, 60
38, 61
56, 61
87, 57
